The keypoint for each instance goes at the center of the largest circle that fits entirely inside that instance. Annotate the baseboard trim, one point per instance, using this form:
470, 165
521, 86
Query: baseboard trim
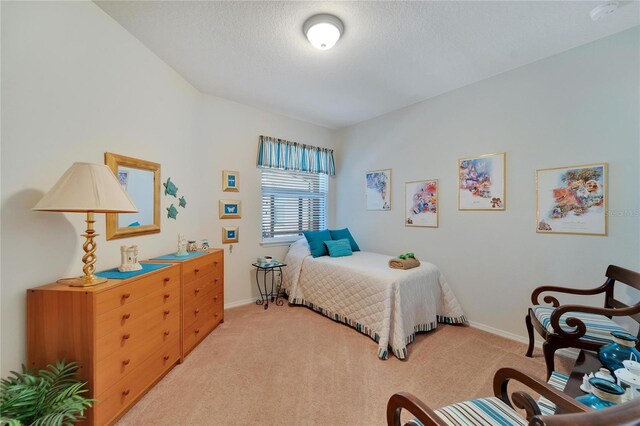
569, 353
239, 303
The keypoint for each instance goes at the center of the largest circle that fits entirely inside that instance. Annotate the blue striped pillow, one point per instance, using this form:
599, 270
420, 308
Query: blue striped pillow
339, 248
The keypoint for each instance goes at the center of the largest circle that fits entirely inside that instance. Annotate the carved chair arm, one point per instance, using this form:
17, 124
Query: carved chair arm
578, 325
554, 301
562, 401
405, 400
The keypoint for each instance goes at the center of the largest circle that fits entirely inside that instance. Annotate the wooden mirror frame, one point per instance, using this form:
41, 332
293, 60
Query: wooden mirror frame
115, 232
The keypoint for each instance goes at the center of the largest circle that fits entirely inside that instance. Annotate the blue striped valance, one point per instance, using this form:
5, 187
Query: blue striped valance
280, 154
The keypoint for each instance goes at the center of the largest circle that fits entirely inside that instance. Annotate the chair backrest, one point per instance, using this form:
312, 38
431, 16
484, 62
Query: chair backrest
616, 274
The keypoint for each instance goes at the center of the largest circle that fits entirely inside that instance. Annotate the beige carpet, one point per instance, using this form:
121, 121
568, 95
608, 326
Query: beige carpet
290, 365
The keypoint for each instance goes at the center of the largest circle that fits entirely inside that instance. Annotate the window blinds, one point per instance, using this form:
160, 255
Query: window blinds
292, 202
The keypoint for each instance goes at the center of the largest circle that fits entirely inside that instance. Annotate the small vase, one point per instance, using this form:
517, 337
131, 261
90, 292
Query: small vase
603, 394
622, 348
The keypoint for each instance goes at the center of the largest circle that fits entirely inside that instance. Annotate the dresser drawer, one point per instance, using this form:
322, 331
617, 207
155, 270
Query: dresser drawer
200, 288
199, 328
122, 394
126, 294
125, 337
121, 363
201, 266
119, 318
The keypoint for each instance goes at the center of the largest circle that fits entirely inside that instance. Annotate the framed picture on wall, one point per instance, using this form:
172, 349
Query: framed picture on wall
421, 203
230, 181
378, 189
229, 234
572, 200
229, 209
481, 182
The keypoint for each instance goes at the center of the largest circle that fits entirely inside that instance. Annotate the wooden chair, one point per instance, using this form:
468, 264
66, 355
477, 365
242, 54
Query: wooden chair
577, 326
500, 409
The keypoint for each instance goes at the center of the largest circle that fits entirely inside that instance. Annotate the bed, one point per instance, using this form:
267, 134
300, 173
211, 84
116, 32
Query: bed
388, 305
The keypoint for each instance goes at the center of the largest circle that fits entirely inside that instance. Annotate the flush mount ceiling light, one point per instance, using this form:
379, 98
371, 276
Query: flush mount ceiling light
323, 31
603, 10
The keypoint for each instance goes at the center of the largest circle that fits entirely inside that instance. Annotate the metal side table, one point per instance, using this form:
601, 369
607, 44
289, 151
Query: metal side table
269, 271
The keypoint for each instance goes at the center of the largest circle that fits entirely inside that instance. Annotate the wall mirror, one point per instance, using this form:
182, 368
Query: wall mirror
141, 180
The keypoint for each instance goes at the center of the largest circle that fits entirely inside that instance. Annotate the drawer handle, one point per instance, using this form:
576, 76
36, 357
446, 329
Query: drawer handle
125, 392
215, 298
166, 357
126, 361
126, 316
197, 290
196, 270
215, 262
125, 336
197, 330
166, 333
166, 296
126, 295
167, 312
196, 311
166, 280
215, 280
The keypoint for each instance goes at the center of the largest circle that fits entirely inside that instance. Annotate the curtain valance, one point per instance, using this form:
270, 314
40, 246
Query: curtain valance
280, 154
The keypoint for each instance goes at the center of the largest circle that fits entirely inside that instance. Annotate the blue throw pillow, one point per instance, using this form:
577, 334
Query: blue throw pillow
339, 234
339, 248
316, 241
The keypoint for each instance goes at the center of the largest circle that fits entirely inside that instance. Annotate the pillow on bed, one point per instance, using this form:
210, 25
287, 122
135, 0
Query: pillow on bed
339, 234
339, 248
316, 242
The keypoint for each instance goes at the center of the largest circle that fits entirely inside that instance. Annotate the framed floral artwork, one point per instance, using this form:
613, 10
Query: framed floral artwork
481, 182
378, 189
421, 203
230, 234
572, 200
229, 209
230, 181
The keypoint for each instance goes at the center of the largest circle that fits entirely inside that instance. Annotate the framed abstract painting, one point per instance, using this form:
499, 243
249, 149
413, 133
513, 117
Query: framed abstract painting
481, 182
378, 189
572, 200
230, 234
229, 209
421, 203
230, 181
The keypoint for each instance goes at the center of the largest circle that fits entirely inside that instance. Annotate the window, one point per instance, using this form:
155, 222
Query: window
292, 202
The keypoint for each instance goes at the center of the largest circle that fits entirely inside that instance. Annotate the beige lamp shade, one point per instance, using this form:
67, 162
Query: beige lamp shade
87, 187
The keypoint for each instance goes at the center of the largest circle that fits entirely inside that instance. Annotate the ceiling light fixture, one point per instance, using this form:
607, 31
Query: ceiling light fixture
603, 10
323, 31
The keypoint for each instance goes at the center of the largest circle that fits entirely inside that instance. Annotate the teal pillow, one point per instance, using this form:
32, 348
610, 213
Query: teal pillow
316, 241
339, 248
339, 234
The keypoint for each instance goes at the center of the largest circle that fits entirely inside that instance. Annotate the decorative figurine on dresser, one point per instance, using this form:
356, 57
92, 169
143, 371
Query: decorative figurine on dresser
182, 246
129, 259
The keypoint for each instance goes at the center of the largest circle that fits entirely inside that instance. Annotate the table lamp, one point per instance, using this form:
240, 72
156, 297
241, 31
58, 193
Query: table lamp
87, 188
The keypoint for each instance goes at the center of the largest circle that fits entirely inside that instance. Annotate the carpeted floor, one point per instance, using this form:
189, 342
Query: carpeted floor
292, 366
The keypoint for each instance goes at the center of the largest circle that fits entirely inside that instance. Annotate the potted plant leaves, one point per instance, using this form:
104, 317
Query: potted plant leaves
51, 396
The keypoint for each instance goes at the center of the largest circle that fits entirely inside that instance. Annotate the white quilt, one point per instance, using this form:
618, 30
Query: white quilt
389, 305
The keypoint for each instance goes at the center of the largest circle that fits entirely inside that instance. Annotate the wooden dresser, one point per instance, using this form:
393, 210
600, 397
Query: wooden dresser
202, 296
125, 334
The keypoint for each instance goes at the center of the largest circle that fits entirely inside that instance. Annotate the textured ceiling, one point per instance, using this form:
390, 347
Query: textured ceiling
392, 54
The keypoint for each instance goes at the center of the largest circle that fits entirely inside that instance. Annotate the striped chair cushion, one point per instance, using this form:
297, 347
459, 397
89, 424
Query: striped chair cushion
558, 381
599, 327
479, 412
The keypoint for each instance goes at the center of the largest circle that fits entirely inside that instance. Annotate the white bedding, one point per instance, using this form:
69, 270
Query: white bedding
389, 305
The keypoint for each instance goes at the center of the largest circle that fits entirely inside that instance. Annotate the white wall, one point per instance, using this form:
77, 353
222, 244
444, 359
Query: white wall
579, 107
75, 84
